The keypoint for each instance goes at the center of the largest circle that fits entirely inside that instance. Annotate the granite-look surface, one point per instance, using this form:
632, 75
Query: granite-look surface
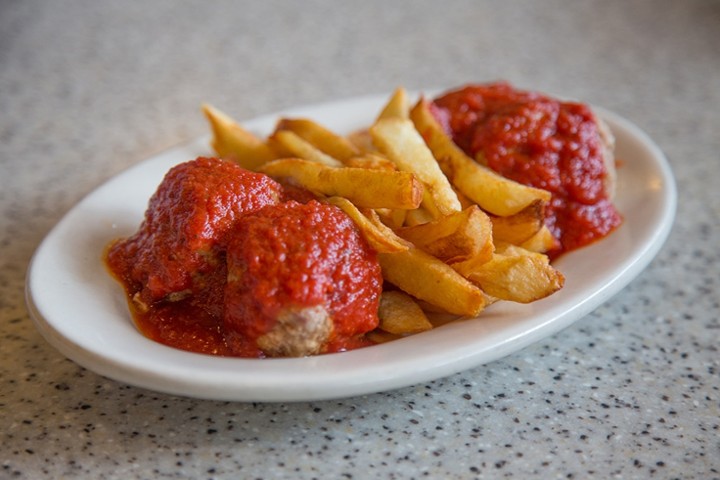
88, 89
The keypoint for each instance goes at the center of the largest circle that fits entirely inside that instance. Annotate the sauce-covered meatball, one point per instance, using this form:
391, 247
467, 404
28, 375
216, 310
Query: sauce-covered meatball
301, 281
542, 142
178, 247
229, 262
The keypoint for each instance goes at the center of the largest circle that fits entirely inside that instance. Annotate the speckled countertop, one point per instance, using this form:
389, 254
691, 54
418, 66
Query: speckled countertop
632, 390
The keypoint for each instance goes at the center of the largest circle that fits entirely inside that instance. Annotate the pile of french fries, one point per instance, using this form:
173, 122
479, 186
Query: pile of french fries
452, 236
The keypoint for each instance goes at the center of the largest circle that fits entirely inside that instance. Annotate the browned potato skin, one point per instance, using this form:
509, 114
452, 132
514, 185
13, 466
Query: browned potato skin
515, 275
400, 314
455, 237
430, 279
328, 142
231, 141
365, 187
520, 227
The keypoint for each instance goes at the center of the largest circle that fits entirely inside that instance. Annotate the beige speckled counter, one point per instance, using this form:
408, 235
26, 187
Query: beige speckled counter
632, 390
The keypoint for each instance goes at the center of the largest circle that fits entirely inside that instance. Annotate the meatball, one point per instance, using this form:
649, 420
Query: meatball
179, 248
543, 142
301, 281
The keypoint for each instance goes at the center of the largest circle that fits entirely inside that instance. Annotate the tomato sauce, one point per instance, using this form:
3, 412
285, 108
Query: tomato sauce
222, 251
540, 142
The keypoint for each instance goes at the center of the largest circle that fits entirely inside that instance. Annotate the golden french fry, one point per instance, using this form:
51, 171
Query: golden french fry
472, 264
510, 250
363, 187
380, 237
362, 140
455, 237
233, 142
398, 140
419, 216
320, 137
521, 226
517, 277
397, 106
370, 160
491, 191
401, 315
373, 215
299, 147
542, 241
465, 202
430, 279
393, 218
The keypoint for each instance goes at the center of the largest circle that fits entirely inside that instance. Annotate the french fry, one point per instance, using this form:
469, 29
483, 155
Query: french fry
521, 226
432, 280
299, 147
362, 140
419, 216
518, 277
393, 218
465, 202
510, 250
364, 187
370, 160
233, 142
397, 106
399, 314
472, 264
320, 137
380, 237
542, 241
373, 215
455, 237
401, 143
491, 191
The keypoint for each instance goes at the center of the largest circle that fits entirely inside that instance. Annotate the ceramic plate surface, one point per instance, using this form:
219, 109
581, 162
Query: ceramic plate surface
82, 312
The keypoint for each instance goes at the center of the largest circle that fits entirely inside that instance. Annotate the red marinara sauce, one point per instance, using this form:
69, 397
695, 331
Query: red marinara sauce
222, 251
540, 142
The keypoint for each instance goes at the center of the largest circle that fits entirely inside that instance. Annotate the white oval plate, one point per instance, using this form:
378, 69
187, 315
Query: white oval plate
81, 310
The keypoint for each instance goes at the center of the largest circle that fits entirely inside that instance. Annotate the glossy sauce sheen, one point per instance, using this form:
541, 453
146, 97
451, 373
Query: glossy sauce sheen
210, 221
540, 142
